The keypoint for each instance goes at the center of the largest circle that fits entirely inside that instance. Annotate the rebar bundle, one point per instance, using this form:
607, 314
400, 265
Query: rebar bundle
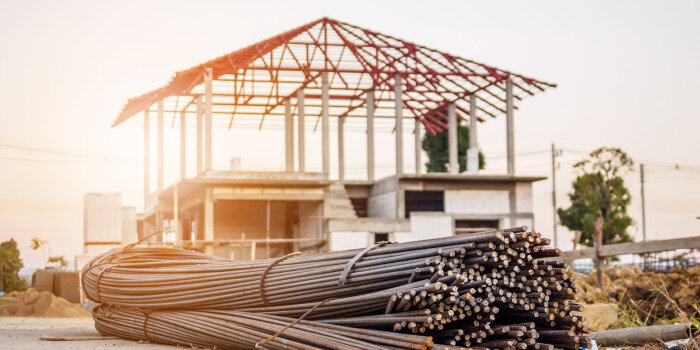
486, 290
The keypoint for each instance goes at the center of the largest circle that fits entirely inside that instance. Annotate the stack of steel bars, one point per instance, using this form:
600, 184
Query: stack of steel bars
484, 290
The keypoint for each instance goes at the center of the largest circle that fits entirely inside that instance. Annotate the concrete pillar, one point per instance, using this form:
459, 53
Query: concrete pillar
208, 76
160, 161
452, 138
209, 220
183, 145
473, 151
146, 157
176, 217
398, 116
325, 128
417, 145
200, 143
302, 131
341, 149
370, 135
509, 127
288, 136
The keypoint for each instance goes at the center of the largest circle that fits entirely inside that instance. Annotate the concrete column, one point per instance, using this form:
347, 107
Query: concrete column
473, 151
288, 136
302, 131
209, 220
200, 143
398, 116
509, 127
183, 145
176, 217
417, 145
325, 128
370, 135
146, 157
341, 149
207, 118
452, 138
161, 161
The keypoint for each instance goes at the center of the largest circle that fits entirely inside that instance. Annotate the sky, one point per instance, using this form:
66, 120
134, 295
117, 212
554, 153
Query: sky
626, 71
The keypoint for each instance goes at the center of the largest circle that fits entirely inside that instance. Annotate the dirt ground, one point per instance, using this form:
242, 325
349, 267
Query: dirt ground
24, 332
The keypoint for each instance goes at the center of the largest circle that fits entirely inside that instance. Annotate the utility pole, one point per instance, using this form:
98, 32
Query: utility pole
554, 193
644, 211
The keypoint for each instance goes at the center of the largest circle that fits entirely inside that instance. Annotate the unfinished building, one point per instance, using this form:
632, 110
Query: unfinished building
315, 78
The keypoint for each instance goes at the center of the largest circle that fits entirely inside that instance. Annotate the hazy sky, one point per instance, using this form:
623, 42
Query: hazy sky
627, 72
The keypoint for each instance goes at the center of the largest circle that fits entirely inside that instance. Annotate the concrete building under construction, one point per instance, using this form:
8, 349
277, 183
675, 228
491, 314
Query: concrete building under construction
314, 78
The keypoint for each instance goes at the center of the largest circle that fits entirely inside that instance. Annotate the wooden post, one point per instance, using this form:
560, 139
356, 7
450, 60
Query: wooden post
598, 258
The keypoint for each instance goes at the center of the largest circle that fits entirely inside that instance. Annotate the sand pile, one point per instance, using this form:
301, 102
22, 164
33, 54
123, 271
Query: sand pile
32, 303
643, 293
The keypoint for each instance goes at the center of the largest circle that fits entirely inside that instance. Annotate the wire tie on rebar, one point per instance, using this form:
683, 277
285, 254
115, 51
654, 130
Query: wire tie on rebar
259, 345
97, 282
351, 263
267, 270
147, 314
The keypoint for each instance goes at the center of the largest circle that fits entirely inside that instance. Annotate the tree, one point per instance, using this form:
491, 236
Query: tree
59, 260
600, 191
437, 149
10, 264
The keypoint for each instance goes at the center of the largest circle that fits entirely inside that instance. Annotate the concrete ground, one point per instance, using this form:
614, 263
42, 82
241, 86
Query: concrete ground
24, 333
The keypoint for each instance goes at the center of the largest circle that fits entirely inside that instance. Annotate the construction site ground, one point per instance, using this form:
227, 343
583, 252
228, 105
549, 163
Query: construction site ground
24, 332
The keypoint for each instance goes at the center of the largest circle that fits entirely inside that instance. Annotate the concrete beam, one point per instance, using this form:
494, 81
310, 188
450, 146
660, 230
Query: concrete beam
200, 142
369, 225
510, 143
302, 131
473, 151
452, 138
288, 136
183, 146
325, 127
398, 116
160, 156
208, 126
146, 156
370, 135
341, 149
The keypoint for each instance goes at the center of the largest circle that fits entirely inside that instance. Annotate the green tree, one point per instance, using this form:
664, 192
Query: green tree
437, 149
58, 260
600, 191
10, 264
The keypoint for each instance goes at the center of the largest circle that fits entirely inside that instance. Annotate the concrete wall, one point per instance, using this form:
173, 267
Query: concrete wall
427, 225
382, 206
348, 240
129, 233
477, 202
309, 225
102, 219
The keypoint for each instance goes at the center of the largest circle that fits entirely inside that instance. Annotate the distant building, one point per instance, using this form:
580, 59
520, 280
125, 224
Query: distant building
304, 77
106, 225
